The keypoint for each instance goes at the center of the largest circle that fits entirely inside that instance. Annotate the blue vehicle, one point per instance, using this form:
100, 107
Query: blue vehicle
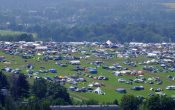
52, 70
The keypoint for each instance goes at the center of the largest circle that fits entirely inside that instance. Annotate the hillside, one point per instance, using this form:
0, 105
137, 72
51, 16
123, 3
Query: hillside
85, 12
79, 20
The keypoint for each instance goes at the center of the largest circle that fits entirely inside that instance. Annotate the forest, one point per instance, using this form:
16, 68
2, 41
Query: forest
92, 20
17, 93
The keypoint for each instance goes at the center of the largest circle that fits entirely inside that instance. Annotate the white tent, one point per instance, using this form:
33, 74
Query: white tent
90, 85
109, 42
41, 47
151, 55
75, 62
99, 91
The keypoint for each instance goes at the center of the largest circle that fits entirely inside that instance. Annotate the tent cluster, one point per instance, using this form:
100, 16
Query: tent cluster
76, 63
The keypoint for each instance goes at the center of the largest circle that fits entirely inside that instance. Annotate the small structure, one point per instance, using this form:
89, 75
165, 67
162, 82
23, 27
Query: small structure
2, 58
137, 88
99, 91
52, 70
85, 107
75, 62
121, 90
92, 70
41, 48
109, 42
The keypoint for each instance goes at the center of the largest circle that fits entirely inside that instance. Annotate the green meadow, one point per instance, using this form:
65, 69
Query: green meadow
109, 85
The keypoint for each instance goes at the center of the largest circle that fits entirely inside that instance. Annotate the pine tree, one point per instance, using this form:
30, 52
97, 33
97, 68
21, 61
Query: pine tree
129, 102
3, 81
57, 92
39, 88
20, 87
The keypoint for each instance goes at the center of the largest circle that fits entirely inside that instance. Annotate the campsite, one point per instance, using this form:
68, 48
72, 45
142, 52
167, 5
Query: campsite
94, 70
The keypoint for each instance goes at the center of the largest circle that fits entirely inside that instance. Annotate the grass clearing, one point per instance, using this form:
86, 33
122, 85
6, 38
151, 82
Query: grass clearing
110, 85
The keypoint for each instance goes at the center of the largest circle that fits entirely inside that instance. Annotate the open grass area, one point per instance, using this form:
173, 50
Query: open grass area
10, 33
15, 33
109, 85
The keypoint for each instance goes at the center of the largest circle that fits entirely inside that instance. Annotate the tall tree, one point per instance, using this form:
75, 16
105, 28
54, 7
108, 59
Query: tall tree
39, 88
9, 103
159, 103
1, 108
57, 92
3, 84
3, 81
167, 103
115, 102
129, 102
20, 87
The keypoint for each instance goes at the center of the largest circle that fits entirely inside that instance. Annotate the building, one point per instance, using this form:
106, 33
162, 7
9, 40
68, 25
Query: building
86, 107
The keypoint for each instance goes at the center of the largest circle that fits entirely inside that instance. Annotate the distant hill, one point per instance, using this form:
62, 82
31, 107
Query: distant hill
79, 20
87, 11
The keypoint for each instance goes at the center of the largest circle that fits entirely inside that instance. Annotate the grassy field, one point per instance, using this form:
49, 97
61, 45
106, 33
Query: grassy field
14, 33
109, 85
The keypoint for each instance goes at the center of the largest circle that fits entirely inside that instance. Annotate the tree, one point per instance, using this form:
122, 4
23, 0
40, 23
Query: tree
167, 103
1, 108
2, 99
25, 37
46, 104
129, 102
20, 87
3, 81
159, 103
57, 92
58, 101
35, 105
115, 102
39, 88
3, 84
9, 103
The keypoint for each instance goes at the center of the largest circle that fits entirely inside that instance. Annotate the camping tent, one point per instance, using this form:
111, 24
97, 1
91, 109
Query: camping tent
92, 70
52, 70
121, 90
109, 42
75, 62
99, 91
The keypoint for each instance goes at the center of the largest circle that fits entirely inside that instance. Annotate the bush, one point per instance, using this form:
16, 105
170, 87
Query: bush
129, 102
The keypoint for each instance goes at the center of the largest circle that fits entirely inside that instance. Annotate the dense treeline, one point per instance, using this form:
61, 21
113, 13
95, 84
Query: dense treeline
73, 12
102, 32
17, 94
130, 102
117, 32
21, 37
91, 20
